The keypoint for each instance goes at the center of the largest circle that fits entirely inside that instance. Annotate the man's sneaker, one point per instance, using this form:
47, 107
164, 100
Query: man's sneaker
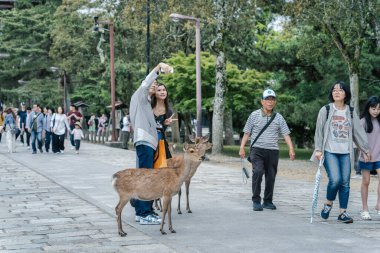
269, 205
326, 211
157, 217
137, 218
149, 220
41, 151
257, 206
345, 218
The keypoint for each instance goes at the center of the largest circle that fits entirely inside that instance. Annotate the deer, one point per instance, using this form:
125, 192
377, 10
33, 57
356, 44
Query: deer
150, 184
203, 142
198, 142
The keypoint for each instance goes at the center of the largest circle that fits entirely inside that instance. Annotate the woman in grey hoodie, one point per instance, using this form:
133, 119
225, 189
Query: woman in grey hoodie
338, 126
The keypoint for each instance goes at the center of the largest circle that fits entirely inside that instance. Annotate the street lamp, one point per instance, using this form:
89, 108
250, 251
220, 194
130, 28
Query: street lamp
176, 16
112, 66
65, 90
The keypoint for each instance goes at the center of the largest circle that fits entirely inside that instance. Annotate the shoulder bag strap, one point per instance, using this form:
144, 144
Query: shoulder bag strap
265, 127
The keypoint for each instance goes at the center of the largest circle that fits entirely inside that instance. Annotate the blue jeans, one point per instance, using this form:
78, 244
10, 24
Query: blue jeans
145, 160
36, 135
338, 168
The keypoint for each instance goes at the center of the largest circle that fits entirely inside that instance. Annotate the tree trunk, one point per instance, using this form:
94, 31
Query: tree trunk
354, 87
218, 108
228, 128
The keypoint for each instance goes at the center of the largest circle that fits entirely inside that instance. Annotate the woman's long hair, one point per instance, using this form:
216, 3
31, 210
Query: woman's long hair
373, 102
166, 101
10, 111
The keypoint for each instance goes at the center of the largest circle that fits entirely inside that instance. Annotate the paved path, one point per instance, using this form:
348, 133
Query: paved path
65, 203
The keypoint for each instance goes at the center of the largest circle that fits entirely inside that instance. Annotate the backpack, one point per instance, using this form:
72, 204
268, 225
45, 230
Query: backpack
328, 111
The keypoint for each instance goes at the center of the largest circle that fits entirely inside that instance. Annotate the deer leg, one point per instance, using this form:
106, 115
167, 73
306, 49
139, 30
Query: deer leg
165, 200
156, 201
119, 208
187, 185
170, 216
179, 202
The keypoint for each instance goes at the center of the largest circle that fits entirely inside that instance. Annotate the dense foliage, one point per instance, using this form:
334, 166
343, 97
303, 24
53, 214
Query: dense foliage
287, 45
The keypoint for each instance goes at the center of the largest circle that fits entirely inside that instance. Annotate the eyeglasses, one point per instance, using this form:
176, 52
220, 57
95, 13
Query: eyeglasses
338, 90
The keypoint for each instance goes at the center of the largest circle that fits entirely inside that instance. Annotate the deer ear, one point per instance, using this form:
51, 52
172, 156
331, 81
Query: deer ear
205, 138
185, 146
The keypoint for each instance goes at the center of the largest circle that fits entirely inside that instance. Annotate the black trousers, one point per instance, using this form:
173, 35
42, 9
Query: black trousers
264, 162
58, 143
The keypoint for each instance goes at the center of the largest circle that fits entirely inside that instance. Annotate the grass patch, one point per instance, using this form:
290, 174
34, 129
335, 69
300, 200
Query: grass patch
301, 154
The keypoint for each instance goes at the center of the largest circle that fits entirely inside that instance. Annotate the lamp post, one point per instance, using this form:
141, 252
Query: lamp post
112, 69
176, 16
65, 90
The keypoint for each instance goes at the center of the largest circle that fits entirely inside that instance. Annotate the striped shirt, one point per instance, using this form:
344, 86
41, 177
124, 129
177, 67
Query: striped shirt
269, 138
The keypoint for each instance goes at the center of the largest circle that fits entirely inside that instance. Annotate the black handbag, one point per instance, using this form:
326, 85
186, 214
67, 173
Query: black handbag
257, 137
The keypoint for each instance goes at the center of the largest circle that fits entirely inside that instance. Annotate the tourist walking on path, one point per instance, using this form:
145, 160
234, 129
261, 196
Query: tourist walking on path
47, 128
92, 128
10, 128
264, 126
145, 136
36, 127
2, 119
78, 135
73, 116
102, 128
59, 125
370, 120
337, 128
125, 130
22, 118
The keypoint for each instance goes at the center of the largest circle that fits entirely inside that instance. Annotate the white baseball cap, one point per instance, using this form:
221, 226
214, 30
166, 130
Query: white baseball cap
268, 93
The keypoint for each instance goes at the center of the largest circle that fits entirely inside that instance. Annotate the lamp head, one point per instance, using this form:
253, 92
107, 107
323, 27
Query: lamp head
96, 26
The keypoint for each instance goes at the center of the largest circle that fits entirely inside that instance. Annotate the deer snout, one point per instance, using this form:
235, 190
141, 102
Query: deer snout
203, 158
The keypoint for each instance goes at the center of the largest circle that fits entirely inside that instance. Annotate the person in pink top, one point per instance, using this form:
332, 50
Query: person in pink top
370, 120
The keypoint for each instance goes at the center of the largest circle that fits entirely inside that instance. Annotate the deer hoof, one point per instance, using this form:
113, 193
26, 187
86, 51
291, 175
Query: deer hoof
163, 232
122, 234
189, 211
173, 231
179, 212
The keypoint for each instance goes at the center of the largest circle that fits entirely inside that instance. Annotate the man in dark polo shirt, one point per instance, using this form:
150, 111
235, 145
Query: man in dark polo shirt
73, 117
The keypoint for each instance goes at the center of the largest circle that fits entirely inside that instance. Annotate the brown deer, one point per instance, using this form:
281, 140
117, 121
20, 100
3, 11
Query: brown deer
151, 184
199, 142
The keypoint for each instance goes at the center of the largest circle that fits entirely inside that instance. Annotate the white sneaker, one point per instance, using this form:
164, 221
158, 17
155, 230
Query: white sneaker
137, 218
61, 152
72, 147
149, 220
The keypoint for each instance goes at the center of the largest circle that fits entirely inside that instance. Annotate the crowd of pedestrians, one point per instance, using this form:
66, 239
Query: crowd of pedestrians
44, 129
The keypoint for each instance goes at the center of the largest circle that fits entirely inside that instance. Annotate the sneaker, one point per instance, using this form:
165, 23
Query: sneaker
72, 147
365, 215
345, 218
326, 211
41, 151
28, 147
157, 217
77, 152
149, 220
269, 205
61, 152
257, 206
137, 218
34, 152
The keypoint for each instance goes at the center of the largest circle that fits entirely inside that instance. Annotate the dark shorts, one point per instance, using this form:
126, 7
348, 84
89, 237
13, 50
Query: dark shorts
369, 165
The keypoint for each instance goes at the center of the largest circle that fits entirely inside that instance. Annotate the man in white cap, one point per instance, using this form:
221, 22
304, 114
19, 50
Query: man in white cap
264, 152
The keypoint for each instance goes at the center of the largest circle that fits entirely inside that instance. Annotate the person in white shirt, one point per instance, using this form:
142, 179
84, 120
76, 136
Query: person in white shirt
125, 130
59, 125
77, 135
